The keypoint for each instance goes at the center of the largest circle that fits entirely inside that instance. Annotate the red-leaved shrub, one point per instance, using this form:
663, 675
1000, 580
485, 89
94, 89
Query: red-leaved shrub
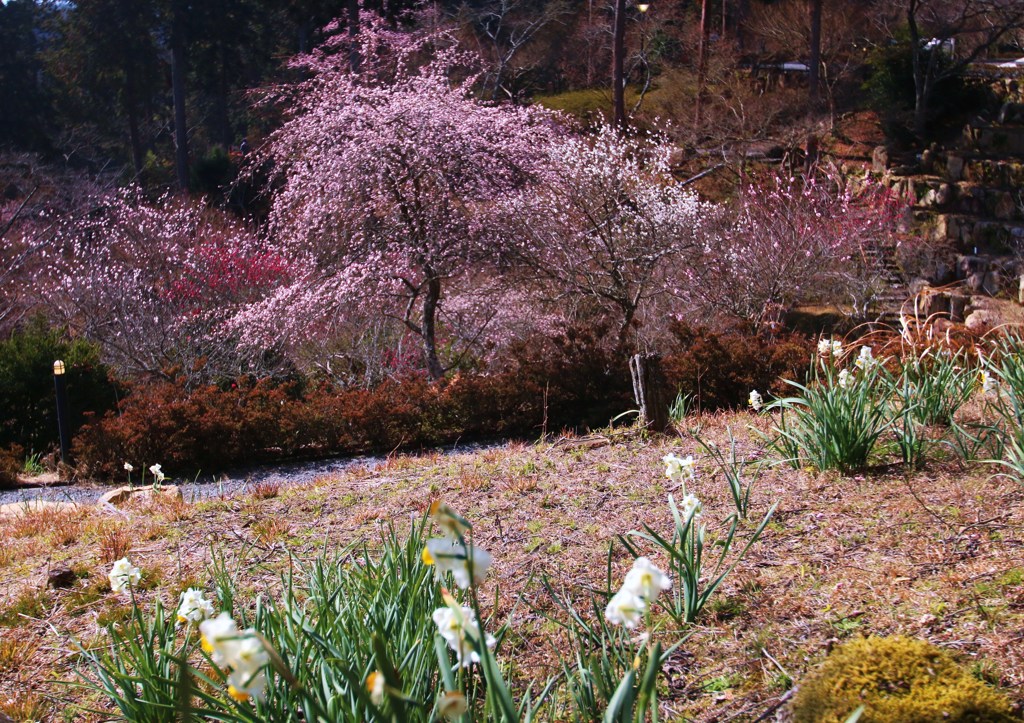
571, 381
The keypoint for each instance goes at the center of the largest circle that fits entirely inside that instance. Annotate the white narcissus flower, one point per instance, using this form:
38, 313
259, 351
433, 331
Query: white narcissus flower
845, 379
678, 467
690, 507
128, 467
448, 519
461, 631
988, 382
194, 608
157, 473
375, 687
219, 637
244, 685
645, 580
450, 555
124, 576
625, 608
828, 347
755, 401
249, 654
865, 359
452, 704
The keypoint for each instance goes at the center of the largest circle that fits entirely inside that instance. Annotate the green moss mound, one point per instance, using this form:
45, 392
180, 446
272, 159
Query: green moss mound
898, 680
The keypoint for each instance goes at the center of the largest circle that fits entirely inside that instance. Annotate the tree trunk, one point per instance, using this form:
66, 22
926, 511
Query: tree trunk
353, 30
919, 72
178, 92
814, 59
618, 64
702, 61
430, 300
221, 114
649, 390
132, 112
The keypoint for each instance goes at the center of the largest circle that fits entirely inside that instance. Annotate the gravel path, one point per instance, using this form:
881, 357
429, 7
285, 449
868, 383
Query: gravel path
227, 484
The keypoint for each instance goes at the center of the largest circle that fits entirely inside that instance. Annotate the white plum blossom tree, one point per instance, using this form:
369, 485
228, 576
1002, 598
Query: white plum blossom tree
609, 223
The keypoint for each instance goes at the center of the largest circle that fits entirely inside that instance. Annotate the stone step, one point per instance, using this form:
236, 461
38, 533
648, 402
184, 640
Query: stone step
1003, 173
967, 232
971, 199
995, 139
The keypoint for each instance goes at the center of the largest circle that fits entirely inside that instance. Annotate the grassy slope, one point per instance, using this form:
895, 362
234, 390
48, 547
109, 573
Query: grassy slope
937, 556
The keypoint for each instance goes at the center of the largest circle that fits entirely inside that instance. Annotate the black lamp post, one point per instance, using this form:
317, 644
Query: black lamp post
619, 61
60, 383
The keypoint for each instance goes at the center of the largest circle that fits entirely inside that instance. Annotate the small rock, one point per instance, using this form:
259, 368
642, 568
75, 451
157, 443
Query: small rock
954, 168
992, 284
941, 326
927, 161
879, 159
61, 577
981, 321
936, 304
975, 281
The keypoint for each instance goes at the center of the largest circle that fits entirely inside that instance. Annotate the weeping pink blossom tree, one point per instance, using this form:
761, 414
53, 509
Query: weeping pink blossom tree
386, 183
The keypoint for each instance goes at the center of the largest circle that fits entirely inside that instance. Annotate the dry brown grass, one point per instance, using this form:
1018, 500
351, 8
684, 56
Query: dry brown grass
115, 542
265, 490
938, 555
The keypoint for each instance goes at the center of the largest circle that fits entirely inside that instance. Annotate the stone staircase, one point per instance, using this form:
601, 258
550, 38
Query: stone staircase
969, 202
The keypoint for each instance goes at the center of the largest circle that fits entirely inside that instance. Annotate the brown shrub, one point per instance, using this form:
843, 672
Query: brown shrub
721, 368
546, 384
11, 460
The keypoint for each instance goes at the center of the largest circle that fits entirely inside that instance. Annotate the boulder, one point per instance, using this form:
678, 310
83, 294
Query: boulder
121, 495
975, 281
967, 266
992, 284
12, 509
